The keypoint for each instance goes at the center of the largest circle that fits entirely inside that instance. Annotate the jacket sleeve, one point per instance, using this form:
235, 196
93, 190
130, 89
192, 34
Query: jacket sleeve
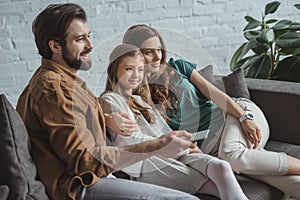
74, 131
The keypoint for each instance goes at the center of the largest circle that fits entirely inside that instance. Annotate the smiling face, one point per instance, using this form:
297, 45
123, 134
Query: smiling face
152, 51
76, 51
130, 72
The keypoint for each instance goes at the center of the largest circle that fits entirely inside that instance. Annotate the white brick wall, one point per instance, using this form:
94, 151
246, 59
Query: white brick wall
202, 31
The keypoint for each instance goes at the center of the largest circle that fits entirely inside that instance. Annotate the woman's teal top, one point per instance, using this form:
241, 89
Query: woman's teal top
195, 111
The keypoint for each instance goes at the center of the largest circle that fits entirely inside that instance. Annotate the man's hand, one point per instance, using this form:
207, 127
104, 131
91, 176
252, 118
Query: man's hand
168, 146
171, 144
252, 132
121, 123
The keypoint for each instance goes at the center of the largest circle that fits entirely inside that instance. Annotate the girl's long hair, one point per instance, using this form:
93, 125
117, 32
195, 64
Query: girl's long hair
162, 92
112, 85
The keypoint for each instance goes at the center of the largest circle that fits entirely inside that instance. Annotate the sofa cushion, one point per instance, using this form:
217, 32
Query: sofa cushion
289, 149
17, 171
234, 84
257, 190
207, 73
253, 189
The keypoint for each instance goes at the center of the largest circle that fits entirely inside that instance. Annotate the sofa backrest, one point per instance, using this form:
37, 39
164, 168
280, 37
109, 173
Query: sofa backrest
280, 102
17, 170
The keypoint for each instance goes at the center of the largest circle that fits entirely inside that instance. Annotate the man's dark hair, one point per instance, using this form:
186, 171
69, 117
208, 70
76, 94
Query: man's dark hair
52, 24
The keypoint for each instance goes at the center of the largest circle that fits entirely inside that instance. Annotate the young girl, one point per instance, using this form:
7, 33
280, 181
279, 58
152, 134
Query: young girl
188, 101
191, 171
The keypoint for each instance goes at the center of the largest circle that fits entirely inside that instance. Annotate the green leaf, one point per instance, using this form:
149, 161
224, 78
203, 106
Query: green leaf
261, 49
282, 24
271, 21
280, 32
249, 18
240, 63
239, 53
288, 69
253, 24
253, 44
289, 40
271, 7
247, 65
297, 6
285, 51
259, 67
295, 26
251, 34
296, 52
268, 35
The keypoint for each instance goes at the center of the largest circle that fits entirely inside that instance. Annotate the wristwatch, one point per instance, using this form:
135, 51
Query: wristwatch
246, 116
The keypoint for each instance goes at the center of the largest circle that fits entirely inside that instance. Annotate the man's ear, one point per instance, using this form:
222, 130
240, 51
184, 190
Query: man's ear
54, 46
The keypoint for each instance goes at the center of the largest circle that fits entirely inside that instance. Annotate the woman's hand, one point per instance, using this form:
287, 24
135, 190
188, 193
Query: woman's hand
252, 132
121, 123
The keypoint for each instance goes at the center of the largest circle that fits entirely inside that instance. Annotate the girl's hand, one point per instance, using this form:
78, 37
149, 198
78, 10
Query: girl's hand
171, 144
194, 148
252, 132
121, 123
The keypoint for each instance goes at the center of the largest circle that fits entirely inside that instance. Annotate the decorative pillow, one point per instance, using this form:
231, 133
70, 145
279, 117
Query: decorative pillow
17, 170
207, 73
234, 84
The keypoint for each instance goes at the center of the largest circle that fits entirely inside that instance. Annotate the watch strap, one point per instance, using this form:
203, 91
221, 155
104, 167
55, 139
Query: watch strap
246, 116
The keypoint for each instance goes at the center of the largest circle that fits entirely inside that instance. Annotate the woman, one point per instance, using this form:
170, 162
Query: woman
237, 136
191, 171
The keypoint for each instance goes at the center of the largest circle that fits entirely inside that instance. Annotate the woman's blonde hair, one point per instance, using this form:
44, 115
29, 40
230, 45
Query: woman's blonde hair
117, 55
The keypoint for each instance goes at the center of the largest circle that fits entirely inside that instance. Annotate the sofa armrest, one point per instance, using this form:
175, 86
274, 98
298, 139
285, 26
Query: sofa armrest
280, 102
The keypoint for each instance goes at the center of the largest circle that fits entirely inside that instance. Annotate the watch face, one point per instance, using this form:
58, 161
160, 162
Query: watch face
249, 116
246, 116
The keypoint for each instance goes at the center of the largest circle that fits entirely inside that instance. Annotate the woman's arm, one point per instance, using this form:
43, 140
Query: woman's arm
217, 96
251, 130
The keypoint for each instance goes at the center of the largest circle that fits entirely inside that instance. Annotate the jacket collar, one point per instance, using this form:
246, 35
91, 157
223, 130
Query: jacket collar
53, 66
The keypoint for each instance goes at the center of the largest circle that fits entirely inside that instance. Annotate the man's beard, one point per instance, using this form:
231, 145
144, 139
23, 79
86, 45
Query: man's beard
77, 64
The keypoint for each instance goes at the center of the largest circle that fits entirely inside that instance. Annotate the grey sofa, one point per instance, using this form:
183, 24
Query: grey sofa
278, 100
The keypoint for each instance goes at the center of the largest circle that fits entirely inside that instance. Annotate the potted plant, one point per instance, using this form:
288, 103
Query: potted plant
272, 50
